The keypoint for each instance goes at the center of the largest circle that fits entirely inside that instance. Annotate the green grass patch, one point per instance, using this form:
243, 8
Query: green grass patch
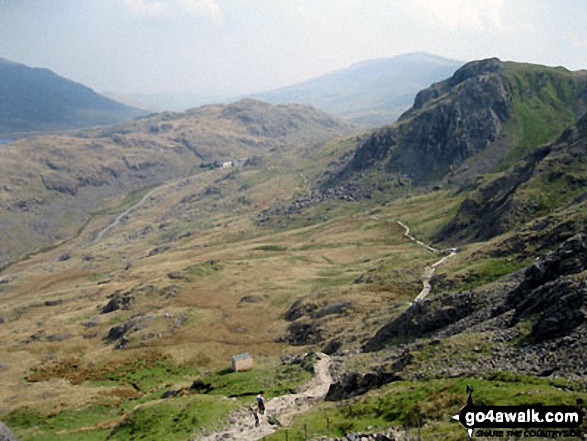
68, 425
129, 200
331, 280
173, 419
202, 269
544, 104
481, 271
146, 370
270, 248
429, 404
272, 378
152, 375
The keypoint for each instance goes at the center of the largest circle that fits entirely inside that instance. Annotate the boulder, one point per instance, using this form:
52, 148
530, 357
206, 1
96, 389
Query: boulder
198, 386
334, 308
353, 384
6, 434
118, 301
169, 394
299, 309
332, 346
249, 300
300, 334
134, 324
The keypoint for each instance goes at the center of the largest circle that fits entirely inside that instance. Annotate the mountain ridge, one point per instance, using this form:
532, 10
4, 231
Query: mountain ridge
112, 332
504, 109
371, 92
49, 183
39, 100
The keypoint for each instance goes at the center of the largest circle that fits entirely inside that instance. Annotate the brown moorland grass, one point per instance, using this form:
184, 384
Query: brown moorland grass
210, 251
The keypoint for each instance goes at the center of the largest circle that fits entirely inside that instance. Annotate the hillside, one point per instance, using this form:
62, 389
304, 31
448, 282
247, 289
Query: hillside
552, 177
51, 185
161, 101
126, 327
482, 119
373, 92
38, 100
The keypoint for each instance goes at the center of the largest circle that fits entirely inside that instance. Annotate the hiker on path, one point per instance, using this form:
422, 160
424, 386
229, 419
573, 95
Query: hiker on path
256, 415
261, 403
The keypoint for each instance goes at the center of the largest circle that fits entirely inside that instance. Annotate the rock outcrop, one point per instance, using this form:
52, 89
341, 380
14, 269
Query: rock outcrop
449, 122
354, 384
551, 294
423, 318
118, 301
466, 125
6, 434
504, 202
300, 334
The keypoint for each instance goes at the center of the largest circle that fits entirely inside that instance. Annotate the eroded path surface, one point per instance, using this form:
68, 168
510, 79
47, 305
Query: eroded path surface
124, 214
429, 270
241, 424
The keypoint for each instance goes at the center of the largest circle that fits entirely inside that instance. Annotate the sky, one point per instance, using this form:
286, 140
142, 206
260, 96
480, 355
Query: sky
230, 47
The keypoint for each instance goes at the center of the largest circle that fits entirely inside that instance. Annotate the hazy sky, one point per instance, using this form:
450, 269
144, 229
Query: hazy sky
242, 46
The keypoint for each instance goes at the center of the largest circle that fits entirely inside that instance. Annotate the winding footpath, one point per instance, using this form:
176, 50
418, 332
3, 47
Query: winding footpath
241, 425
429, 270
128, 211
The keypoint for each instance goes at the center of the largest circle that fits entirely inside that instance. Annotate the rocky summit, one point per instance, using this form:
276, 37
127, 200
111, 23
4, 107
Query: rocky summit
485, 115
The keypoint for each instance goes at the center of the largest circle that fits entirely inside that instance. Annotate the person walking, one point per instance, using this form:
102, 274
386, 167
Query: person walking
255, 415
261, 403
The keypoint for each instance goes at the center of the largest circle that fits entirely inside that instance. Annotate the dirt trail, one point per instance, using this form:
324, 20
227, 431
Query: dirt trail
128, 211
241, 426
429, 270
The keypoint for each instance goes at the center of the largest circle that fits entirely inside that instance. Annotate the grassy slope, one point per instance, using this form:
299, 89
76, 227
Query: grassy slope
544, 103
223, 259
51, 185
430, 404
198, 236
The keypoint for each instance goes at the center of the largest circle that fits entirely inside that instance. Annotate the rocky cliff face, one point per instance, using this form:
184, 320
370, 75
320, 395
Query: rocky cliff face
550, 177
449, 122
484, 105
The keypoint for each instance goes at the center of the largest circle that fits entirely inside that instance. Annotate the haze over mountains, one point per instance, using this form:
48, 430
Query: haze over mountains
374, 92
38, 100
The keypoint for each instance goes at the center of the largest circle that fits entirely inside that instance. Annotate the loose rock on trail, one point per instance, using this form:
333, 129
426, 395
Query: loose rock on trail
282, 409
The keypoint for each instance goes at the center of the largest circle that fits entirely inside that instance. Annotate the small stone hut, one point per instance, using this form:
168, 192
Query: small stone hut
241, 362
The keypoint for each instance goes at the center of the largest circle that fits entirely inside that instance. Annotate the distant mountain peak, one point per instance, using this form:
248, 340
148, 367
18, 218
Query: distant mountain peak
373, 92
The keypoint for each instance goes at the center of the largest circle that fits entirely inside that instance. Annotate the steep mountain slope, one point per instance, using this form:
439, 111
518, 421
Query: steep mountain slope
49, 185
521, 286
38, 100
551, 177
373, 92
487, 115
